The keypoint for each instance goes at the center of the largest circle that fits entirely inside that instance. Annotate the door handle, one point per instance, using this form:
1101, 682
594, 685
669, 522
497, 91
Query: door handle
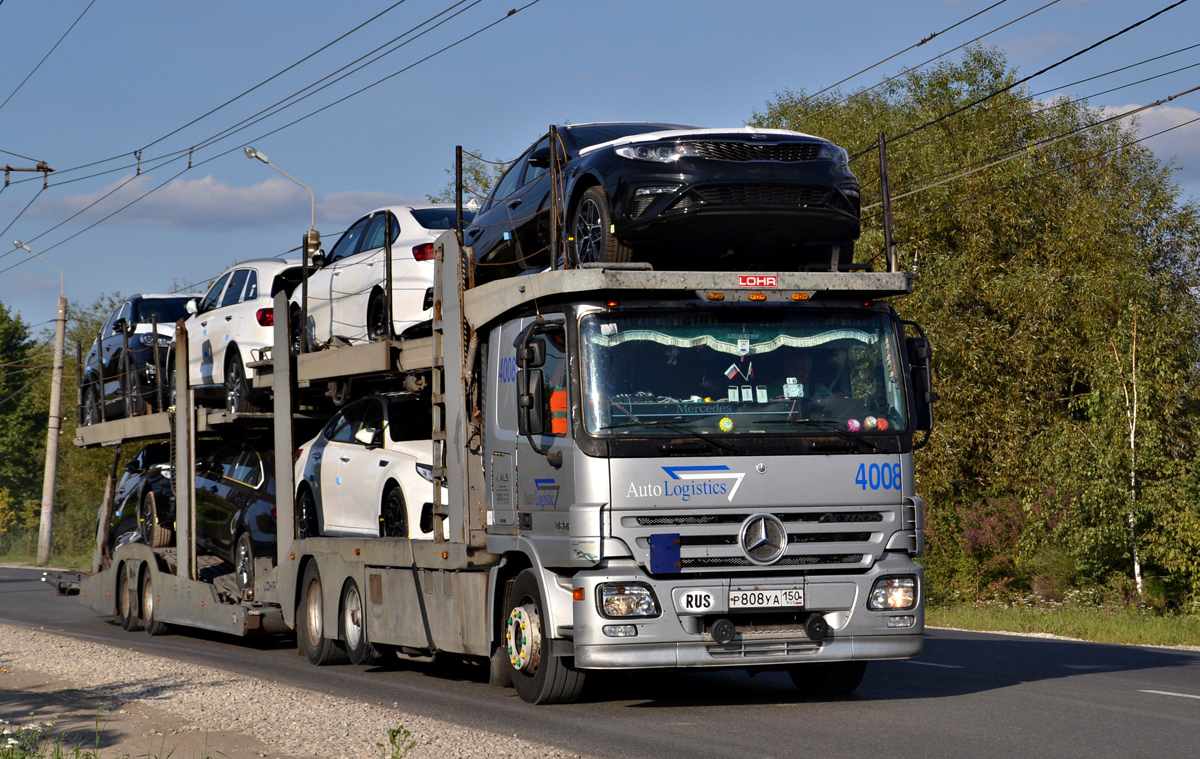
213, 488
514, 203
383, 462
228, 318
316, 457
204, 323
345, 458
473, 232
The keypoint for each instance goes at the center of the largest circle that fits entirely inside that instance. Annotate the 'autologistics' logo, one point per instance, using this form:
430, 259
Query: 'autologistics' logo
688, 481
546, 493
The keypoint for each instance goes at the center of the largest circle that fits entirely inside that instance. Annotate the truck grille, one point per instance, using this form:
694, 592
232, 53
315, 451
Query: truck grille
745, 151
837, 538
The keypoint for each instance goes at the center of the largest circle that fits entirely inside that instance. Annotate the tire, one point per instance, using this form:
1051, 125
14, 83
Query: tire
91, 407
591, 227
127, 600
308, 518
237, 388
393, 516
310, 622
169, 392
296, 331
128, 388
838, 678
354, 627
377, 317
243, 564
153, 626
538, 677
153, 534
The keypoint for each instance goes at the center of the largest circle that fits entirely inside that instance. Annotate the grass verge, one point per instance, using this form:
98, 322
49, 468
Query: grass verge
1098, 624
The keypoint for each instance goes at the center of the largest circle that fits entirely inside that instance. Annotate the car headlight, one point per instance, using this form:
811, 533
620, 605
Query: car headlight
662, 153
147, 340
426, 471
835, 153
628, 599
893, 593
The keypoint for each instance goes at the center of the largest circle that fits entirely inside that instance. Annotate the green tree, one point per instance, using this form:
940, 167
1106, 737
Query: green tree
479, 174
1032, 269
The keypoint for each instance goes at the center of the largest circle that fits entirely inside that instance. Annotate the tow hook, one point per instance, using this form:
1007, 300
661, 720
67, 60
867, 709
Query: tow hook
815, 627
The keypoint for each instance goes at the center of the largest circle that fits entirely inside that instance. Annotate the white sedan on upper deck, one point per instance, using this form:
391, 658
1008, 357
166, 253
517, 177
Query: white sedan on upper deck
346, 293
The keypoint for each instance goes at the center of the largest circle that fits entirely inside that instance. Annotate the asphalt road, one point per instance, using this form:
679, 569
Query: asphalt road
970, 694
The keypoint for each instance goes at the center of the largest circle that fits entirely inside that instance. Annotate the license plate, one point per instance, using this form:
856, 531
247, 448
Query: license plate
765, 598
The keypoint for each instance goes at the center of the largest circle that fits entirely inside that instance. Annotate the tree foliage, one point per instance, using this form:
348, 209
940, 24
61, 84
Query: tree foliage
1032, 271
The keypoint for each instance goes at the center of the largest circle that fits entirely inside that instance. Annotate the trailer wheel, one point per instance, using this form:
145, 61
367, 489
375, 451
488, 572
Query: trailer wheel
153, 626
538, 677
310, 622
153, 533
126, 600
393, 517
243, 566
354, 628
838, 678
591, 226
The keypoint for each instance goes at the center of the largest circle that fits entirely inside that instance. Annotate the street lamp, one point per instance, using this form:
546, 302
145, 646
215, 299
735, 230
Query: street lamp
310, 245
55, 422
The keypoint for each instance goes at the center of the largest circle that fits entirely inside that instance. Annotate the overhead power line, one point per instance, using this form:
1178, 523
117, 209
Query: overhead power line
47, 55
1025, 79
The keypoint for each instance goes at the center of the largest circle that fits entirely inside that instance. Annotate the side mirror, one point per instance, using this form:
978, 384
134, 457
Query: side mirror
920, 362
120, 325
540, 158
530, 403
318, 259
532, 354
369, 436
191, 306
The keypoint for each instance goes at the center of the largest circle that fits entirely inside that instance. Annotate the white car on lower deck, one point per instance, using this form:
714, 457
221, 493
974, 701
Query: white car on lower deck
346, 293
231, 326
369, 472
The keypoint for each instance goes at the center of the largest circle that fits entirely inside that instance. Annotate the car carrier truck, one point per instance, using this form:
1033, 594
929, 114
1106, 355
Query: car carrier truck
632, 469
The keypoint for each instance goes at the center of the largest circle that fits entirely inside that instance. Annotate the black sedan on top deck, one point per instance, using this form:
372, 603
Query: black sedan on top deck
676, 196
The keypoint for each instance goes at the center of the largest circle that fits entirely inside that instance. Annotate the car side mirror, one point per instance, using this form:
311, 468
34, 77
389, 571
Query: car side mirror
192, 307
318, 259
369, 436
120, 325
532, 354
540, 158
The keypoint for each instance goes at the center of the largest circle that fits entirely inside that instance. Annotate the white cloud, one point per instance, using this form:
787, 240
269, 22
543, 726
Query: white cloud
1181, 144
209, 204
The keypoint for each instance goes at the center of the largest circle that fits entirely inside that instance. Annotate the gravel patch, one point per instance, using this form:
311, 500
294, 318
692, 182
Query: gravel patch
173, 703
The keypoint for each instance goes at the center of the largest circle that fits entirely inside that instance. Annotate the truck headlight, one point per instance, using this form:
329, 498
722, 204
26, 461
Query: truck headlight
893, 593
632, 599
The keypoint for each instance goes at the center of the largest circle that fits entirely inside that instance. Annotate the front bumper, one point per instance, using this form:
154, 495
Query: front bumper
677, 638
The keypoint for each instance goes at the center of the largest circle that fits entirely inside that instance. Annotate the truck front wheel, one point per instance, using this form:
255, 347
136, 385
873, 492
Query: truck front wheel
837, 678
538, 677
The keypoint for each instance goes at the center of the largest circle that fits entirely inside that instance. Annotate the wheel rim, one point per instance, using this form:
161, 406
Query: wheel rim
524, 636
393, 516
376, 326
588, 234
244, 566
146, 518
123, 604
234, 387
148, 599
307, 516
90, 412
312, 613
352, 626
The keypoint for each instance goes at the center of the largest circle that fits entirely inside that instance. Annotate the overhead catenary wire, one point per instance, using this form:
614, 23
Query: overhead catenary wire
192, 165
1024, 79
47, 55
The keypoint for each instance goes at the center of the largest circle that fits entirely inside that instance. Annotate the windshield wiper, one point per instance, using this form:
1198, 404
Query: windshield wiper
673, 426
832, 426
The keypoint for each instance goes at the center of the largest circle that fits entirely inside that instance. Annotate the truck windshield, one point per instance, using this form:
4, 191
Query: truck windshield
742, 371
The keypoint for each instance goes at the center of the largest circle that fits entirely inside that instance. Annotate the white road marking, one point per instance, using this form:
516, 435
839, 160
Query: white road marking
931, 664
1169, 693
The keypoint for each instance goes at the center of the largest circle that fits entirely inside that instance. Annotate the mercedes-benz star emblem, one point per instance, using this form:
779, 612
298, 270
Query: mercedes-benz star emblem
763, 539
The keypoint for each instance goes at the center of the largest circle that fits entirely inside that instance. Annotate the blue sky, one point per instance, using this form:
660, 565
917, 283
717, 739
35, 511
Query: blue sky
134, 75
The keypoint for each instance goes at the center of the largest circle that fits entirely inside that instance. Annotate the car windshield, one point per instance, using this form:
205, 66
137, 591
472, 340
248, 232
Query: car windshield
439, 218
168, 310
594, 134
738, 372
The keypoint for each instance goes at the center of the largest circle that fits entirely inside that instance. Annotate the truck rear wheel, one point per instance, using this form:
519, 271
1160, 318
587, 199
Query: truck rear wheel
127, 601
310, 622
354, 628
837, 678
538, 677
153, 626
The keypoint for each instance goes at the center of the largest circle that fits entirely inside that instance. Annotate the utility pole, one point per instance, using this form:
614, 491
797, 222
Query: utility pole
55, 422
